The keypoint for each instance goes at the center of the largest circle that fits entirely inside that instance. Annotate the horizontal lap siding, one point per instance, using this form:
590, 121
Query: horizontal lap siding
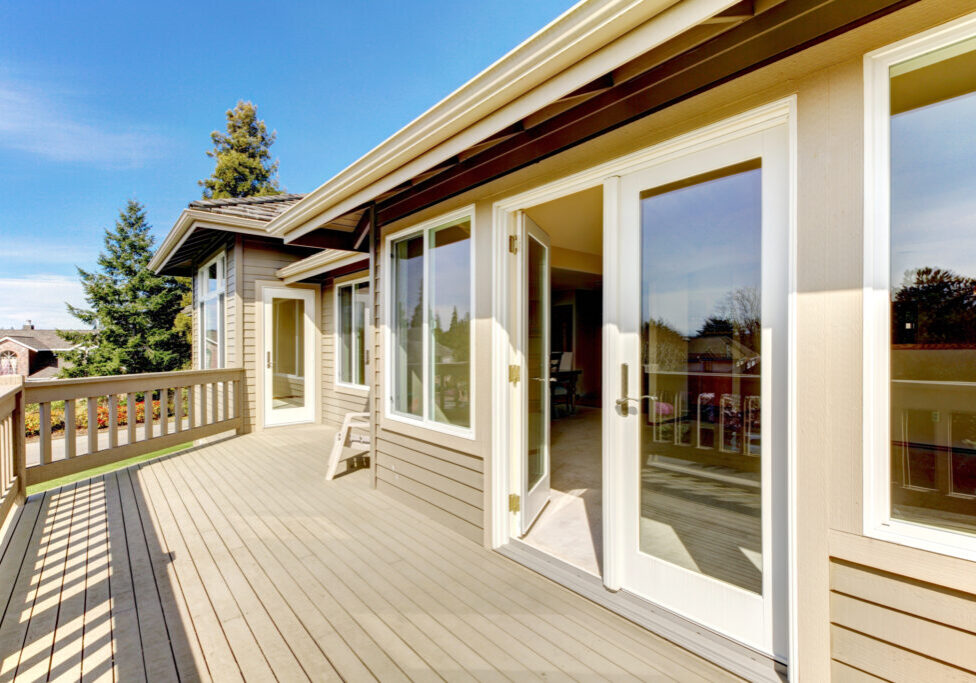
260, 263
899, 629
335, 404
446, 484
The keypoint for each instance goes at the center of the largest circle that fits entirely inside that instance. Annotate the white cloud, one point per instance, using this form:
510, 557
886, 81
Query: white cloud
41, 299
35, 122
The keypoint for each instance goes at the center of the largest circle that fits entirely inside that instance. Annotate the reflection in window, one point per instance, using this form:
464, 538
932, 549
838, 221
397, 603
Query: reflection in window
210, 312
701, 246
933, 289
432, 324
353, 313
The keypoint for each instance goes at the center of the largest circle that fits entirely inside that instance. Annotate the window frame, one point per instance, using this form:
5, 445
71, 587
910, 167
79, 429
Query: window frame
389, 337
877, 519
220, 296
337, 333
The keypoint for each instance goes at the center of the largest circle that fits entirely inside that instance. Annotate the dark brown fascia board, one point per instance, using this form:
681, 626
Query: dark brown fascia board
775, 34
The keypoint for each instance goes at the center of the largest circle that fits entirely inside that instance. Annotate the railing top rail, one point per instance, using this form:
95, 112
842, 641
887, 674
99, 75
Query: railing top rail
44, 390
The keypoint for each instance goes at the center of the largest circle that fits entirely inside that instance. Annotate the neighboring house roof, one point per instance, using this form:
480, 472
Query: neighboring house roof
259, 208
39, 340
50, 372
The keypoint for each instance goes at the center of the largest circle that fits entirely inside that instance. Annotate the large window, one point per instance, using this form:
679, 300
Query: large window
430, 308
210, 313
352, 313
921, 475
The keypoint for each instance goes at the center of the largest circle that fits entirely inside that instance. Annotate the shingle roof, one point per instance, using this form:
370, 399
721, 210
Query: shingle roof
39, 340
258, 208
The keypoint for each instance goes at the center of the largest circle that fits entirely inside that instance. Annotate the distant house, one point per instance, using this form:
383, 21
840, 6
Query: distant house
31, 352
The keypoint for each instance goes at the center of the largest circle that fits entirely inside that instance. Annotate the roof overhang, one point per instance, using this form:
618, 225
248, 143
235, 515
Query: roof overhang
589, 40
192, 220
319, 264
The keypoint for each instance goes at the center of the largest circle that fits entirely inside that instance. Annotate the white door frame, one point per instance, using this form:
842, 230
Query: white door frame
310, 295
503, 523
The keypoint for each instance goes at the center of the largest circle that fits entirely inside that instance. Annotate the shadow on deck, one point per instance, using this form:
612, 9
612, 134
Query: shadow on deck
237, 560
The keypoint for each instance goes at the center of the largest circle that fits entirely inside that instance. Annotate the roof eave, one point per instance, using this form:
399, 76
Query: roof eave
190, 219
472, 112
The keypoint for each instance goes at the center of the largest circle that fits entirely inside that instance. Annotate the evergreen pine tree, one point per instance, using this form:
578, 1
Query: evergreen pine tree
131, 309
244, 167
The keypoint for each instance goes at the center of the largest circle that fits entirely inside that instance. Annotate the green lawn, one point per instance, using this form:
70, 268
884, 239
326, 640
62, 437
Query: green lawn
95, 471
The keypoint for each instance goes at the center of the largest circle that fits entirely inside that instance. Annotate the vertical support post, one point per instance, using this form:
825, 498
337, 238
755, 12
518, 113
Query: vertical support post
45, 433
20, 443
70, 429
113, 421
374, 261
92, 424
130, 415
163, 412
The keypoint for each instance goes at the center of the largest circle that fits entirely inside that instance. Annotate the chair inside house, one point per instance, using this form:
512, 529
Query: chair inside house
562, 382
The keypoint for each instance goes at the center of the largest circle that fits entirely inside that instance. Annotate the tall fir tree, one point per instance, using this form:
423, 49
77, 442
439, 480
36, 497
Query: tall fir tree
131, 309
244, 167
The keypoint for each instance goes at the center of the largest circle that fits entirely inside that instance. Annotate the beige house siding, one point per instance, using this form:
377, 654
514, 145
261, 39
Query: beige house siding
336, 401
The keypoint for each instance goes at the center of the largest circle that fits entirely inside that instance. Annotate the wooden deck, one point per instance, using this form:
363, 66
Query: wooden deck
238, 561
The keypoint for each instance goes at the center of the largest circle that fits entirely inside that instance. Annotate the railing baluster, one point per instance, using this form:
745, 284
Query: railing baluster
113, 421
225, 388
178, 410
191, 406
45, 432
70, 429
215, 402
92, 424
130, 416
147, 404
163, 412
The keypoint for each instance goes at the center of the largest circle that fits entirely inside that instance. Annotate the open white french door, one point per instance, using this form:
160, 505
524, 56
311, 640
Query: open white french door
533, 331
700, 418
289, 355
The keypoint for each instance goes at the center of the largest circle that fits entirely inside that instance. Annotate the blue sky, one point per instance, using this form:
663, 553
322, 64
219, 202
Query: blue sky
101, 102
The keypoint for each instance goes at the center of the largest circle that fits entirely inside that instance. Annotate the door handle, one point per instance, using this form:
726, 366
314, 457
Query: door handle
624, 399
269, 360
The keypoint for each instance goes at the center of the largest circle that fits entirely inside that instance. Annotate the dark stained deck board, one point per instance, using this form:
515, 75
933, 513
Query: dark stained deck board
237, 560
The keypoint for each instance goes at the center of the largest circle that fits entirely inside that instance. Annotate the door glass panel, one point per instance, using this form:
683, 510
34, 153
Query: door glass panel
288, 349
933, 289
701, 411
537, 361
450, 324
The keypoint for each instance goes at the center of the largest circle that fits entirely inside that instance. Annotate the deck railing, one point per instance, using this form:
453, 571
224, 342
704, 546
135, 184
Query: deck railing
11, 443
102, 420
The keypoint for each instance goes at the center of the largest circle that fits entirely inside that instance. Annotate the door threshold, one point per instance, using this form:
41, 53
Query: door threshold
730, 655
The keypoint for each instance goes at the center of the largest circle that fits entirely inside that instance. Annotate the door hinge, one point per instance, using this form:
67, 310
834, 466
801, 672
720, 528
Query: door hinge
514, 373
514, 502
513, 244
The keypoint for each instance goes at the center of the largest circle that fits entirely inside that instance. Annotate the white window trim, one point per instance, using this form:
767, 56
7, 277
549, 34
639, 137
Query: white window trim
878, 522
337, 336
388, 412
221, 260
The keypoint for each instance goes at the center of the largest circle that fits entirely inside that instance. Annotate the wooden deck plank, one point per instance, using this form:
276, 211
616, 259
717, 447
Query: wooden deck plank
214, 559
165, 626
530, 628
42, 614
387, 638
275, 589
209, 627
449, 654
238, 560
585, 614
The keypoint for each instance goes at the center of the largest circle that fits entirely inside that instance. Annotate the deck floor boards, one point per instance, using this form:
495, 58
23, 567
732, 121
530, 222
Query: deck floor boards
238, 561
